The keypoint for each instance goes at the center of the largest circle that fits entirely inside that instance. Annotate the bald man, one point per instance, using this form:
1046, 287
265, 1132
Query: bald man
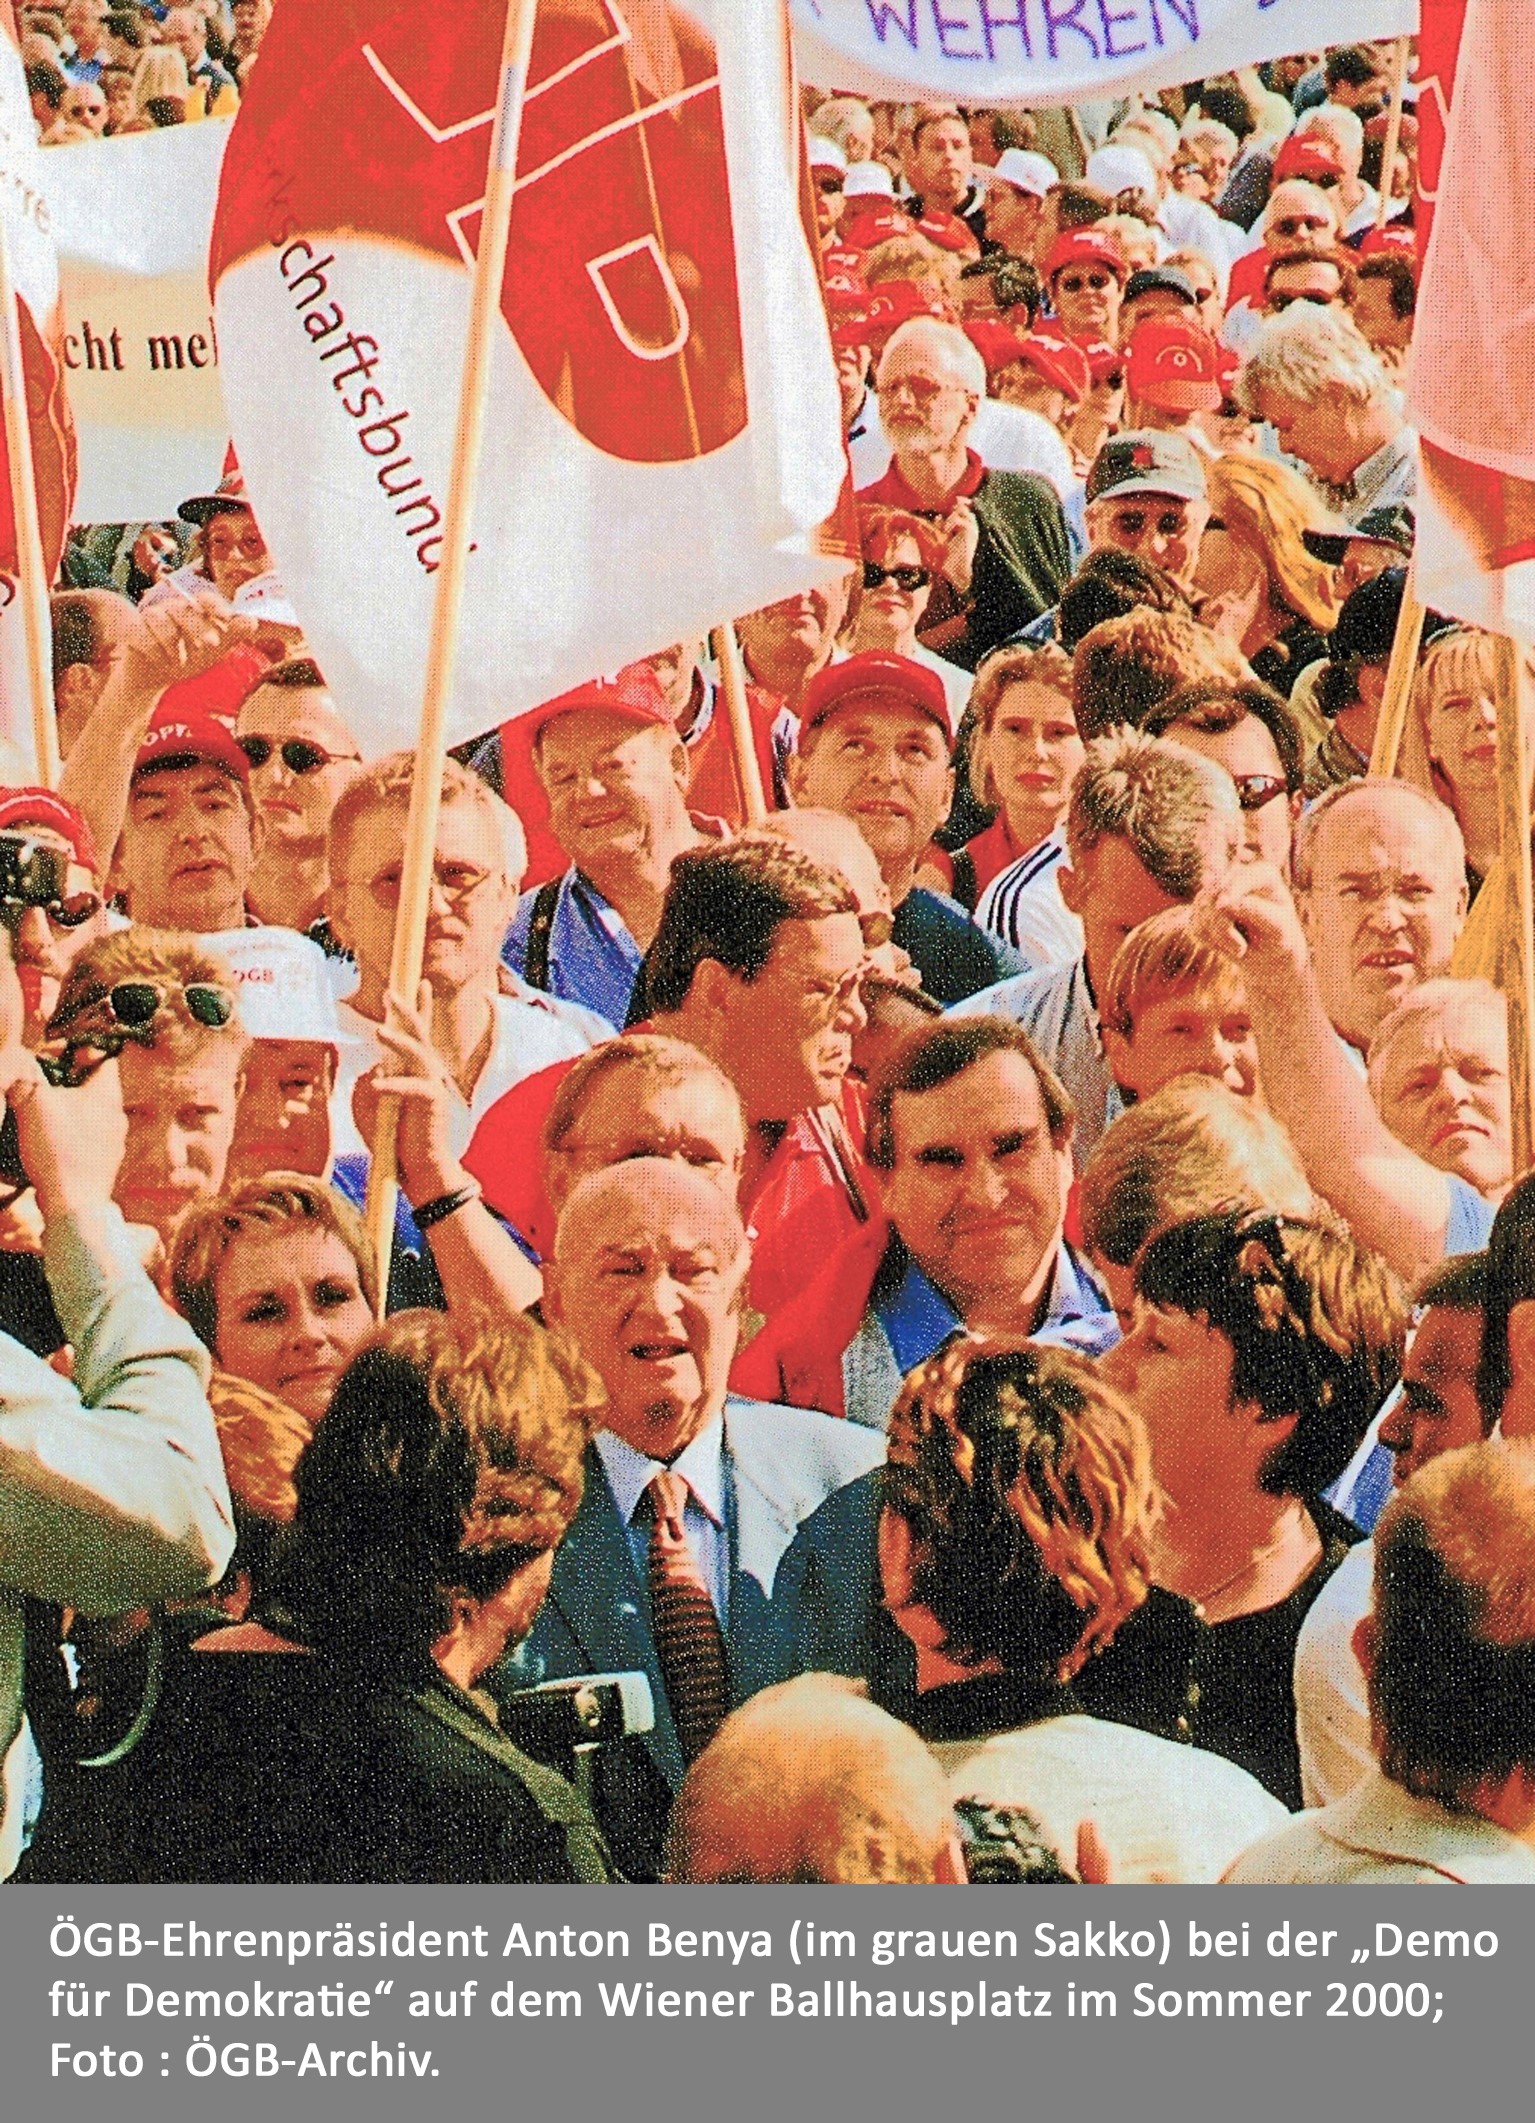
811, 1781
756, 1562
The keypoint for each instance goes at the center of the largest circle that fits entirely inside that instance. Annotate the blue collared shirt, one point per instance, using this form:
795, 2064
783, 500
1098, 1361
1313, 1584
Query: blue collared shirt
702, 1467
593, 960
916, 1319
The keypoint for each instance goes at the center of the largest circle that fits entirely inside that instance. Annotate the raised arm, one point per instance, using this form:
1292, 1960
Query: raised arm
1392, 1199
112, 1489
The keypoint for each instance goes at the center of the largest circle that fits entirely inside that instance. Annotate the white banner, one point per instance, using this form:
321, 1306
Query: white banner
1064, 51
132, 219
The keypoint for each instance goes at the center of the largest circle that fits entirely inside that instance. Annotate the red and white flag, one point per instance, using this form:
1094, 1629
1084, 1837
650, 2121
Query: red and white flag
34, 270
1471, 386
663, 440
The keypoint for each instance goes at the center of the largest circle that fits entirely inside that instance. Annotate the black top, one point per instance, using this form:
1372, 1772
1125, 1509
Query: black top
992, 1702
1225, 1686
953, 954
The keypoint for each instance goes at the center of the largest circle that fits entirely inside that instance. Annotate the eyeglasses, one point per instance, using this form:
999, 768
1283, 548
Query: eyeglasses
456, 882
1279, 303
922, 390
1256, 790
907, 579
1074, 283
299, 756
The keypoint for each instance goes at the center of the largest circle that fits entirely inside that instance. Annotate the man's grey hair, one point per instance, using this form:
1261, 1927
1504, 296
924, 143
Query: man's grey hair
1158, 796
1345, 126
943, 343
1296, 192
835, 118
1434, 999
1306, 351
1314, 819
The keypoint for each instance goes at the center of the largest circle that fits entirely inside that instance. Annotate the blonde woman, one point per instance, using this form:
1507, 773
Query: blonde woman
161, 75
1450, 744
1255, 571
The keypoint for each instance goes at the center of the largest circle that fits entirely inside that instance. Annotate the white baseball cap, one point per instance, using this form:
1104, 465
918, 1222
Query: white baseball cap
283, 984
870, 180
1115, 169
1026, 171
825, 154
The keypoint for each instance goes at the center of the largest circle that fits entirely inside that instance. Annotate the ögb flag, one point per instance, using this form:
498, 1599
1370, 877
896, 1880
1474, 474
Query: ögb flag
1065, 51
663, 439
34, 277
1471, 386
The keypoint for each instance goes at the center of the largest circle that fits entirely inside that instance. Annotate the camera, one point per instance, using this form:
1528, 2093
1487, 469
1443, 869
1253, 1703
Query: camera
563, 1723
32, 874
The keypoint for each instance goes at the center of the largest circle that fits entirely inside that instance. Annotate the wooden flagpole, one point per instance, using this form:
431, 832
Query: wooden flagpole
1401, 673
1519, 900
727, 651
1399, 59
30, 566
426, 784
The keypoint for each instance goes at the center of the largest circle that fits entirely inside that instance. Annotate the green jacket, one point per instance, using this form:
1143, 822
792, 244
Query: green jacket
1022, 562
112, 1490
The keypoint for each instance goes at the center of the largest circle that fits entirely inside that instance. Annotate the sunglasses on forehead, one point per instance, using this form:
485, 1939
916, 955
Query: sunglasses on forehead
298, 755
124, 1015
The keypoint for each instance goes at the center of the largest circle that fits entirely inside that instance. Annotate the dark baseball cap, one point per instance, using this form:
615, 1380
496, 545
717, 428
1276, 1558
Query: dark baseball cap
1367, 624
1393, 526
1148, 278
1147, 461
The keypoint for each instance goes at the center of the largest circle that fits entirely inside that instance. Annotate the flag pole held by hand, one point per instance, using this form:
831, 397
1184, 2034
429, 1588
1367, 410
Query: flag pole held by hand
30, 566
1399, 58
1401, 673
733, 683
426, 782
1518, 900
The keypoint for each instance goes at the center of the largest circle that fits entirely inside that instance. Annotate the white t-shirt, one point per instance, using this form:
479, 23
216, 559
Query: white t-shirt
1332, 1710
532, 1030
1163, 1811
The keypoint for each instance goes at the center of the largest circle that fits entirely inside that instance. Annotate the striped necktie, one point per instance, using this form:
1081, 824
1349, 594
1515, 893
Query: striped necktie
689, 1645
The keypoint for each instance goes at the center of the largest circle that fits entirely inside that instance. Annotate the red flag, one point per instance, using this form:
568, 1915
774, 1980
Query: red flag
662, 438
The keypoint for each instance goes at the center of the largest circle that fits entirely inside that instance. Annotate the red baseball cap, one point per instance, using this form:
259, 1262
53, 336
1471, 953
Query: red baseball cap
998, 345
634, 693
866, 677
1061, 362
40, 807
1393, 237
190, 737
1173, 365
1086, 247
894, 303
1306, 155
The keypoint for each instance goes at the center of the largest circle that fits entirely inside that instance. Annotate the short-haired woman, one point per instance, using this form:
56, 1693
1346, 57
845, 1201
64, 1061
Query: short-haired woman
1259, 1352
1015, 1542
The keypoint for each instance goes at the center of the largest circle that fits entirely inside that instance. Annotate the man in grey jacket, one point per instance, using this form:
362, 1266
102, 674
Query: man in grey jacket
112, 1489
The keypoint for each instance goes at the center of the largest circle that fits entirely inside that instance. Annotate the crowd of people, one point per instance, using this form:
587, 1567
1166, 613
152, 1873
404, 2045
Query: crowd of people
1001, 1288
95, 72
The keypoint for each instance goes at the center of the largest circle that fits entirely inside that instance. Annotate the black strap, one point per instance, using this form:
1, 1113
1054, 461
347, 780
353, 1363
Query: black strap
535, 969
964, 887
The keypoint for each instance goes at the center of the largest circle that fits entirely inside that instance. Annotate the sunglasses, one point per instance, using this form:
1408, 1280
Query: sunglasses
1279, 303
1074, 283
1328, 181
1256, 790
32, 874
299, 756
134, 1004
907, 579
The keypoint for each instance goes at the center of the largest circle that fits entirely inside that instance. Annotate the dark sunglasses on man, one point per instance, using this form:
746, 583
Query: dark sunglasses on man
299, 755
907, 579
1075, 283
